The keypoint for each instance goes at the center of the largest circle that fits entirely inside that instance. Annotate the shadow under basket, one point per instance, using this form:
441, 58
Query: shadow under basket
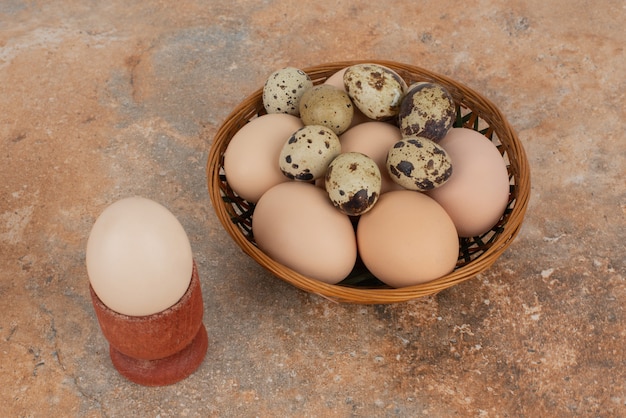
476, 254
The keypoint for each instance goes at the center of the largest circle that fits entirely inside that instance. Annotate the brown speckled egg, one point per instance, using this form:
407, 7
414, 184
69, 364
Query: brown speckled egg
307, 153
418, 164
283, 90
328, 106
376, 90
427, 110
353, 183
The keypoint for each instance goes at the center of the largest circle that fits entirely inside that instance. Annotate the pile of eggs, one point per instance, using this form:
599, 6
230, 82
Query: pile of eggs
364, 167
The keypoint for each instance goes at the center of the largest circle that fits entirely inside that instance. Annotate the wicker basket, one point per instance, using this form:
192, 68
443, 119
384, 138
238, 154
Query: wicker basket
475, 254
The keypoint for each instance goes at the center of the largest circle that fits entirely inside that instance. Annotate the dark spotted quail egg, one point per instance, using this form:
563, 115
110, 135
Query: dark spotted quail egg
418, 163
427, 110
283, 90
353, 183
328, 106
376, 90
307, 153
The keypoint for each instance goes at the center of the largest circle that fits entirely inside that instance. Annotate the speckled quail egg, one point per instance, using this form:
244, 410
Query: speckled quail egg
427, 110
307, 153
328, 106
418, 163
283, 90
353, 183
376, 90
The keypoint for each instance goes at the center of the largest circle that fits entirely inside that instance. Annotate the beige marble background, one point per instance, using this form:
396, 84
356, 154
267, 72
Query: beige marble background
102, 100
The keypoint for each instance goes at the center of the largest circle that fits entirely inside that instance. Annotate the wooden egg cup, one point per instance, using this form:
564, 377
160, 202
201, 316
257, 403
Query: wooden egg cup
158, 349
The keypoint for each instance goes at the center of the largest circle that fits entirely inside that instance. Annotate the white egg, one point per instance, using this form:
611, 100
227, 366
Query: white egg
138, 257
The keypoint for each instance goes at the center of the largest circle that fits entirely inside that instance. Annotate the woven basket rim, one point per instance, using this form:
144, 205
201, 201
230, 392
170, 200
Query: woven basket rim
482, 107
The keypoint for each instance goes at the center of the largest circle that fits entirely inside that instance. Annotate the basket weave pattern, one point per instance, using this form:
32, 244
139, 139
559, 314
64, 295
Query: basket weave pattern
475, 254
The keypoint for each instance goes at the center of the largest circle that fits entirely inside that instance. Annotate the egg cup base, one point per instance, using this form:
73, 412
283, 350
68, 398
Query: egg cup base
158, 349
165, 371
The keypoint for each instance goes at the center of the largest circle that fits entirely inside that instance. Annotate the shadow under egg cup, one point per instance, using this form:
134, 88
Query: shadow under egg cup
158, 349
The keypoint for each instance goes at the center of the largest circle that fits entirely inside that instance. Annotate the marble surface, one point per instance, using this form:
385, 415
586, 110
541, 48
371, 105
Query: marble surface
102, 100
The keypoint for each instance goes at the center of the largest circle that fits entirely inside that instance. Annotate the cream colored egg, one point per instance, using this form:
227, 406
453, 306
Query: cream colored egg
477, 193
138, 257
407, 239
373, 139
251, 157
337, 80
283, 90
375, 89
296, 225
427, 110
328, 106
307, 153
418, 163
353, 183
